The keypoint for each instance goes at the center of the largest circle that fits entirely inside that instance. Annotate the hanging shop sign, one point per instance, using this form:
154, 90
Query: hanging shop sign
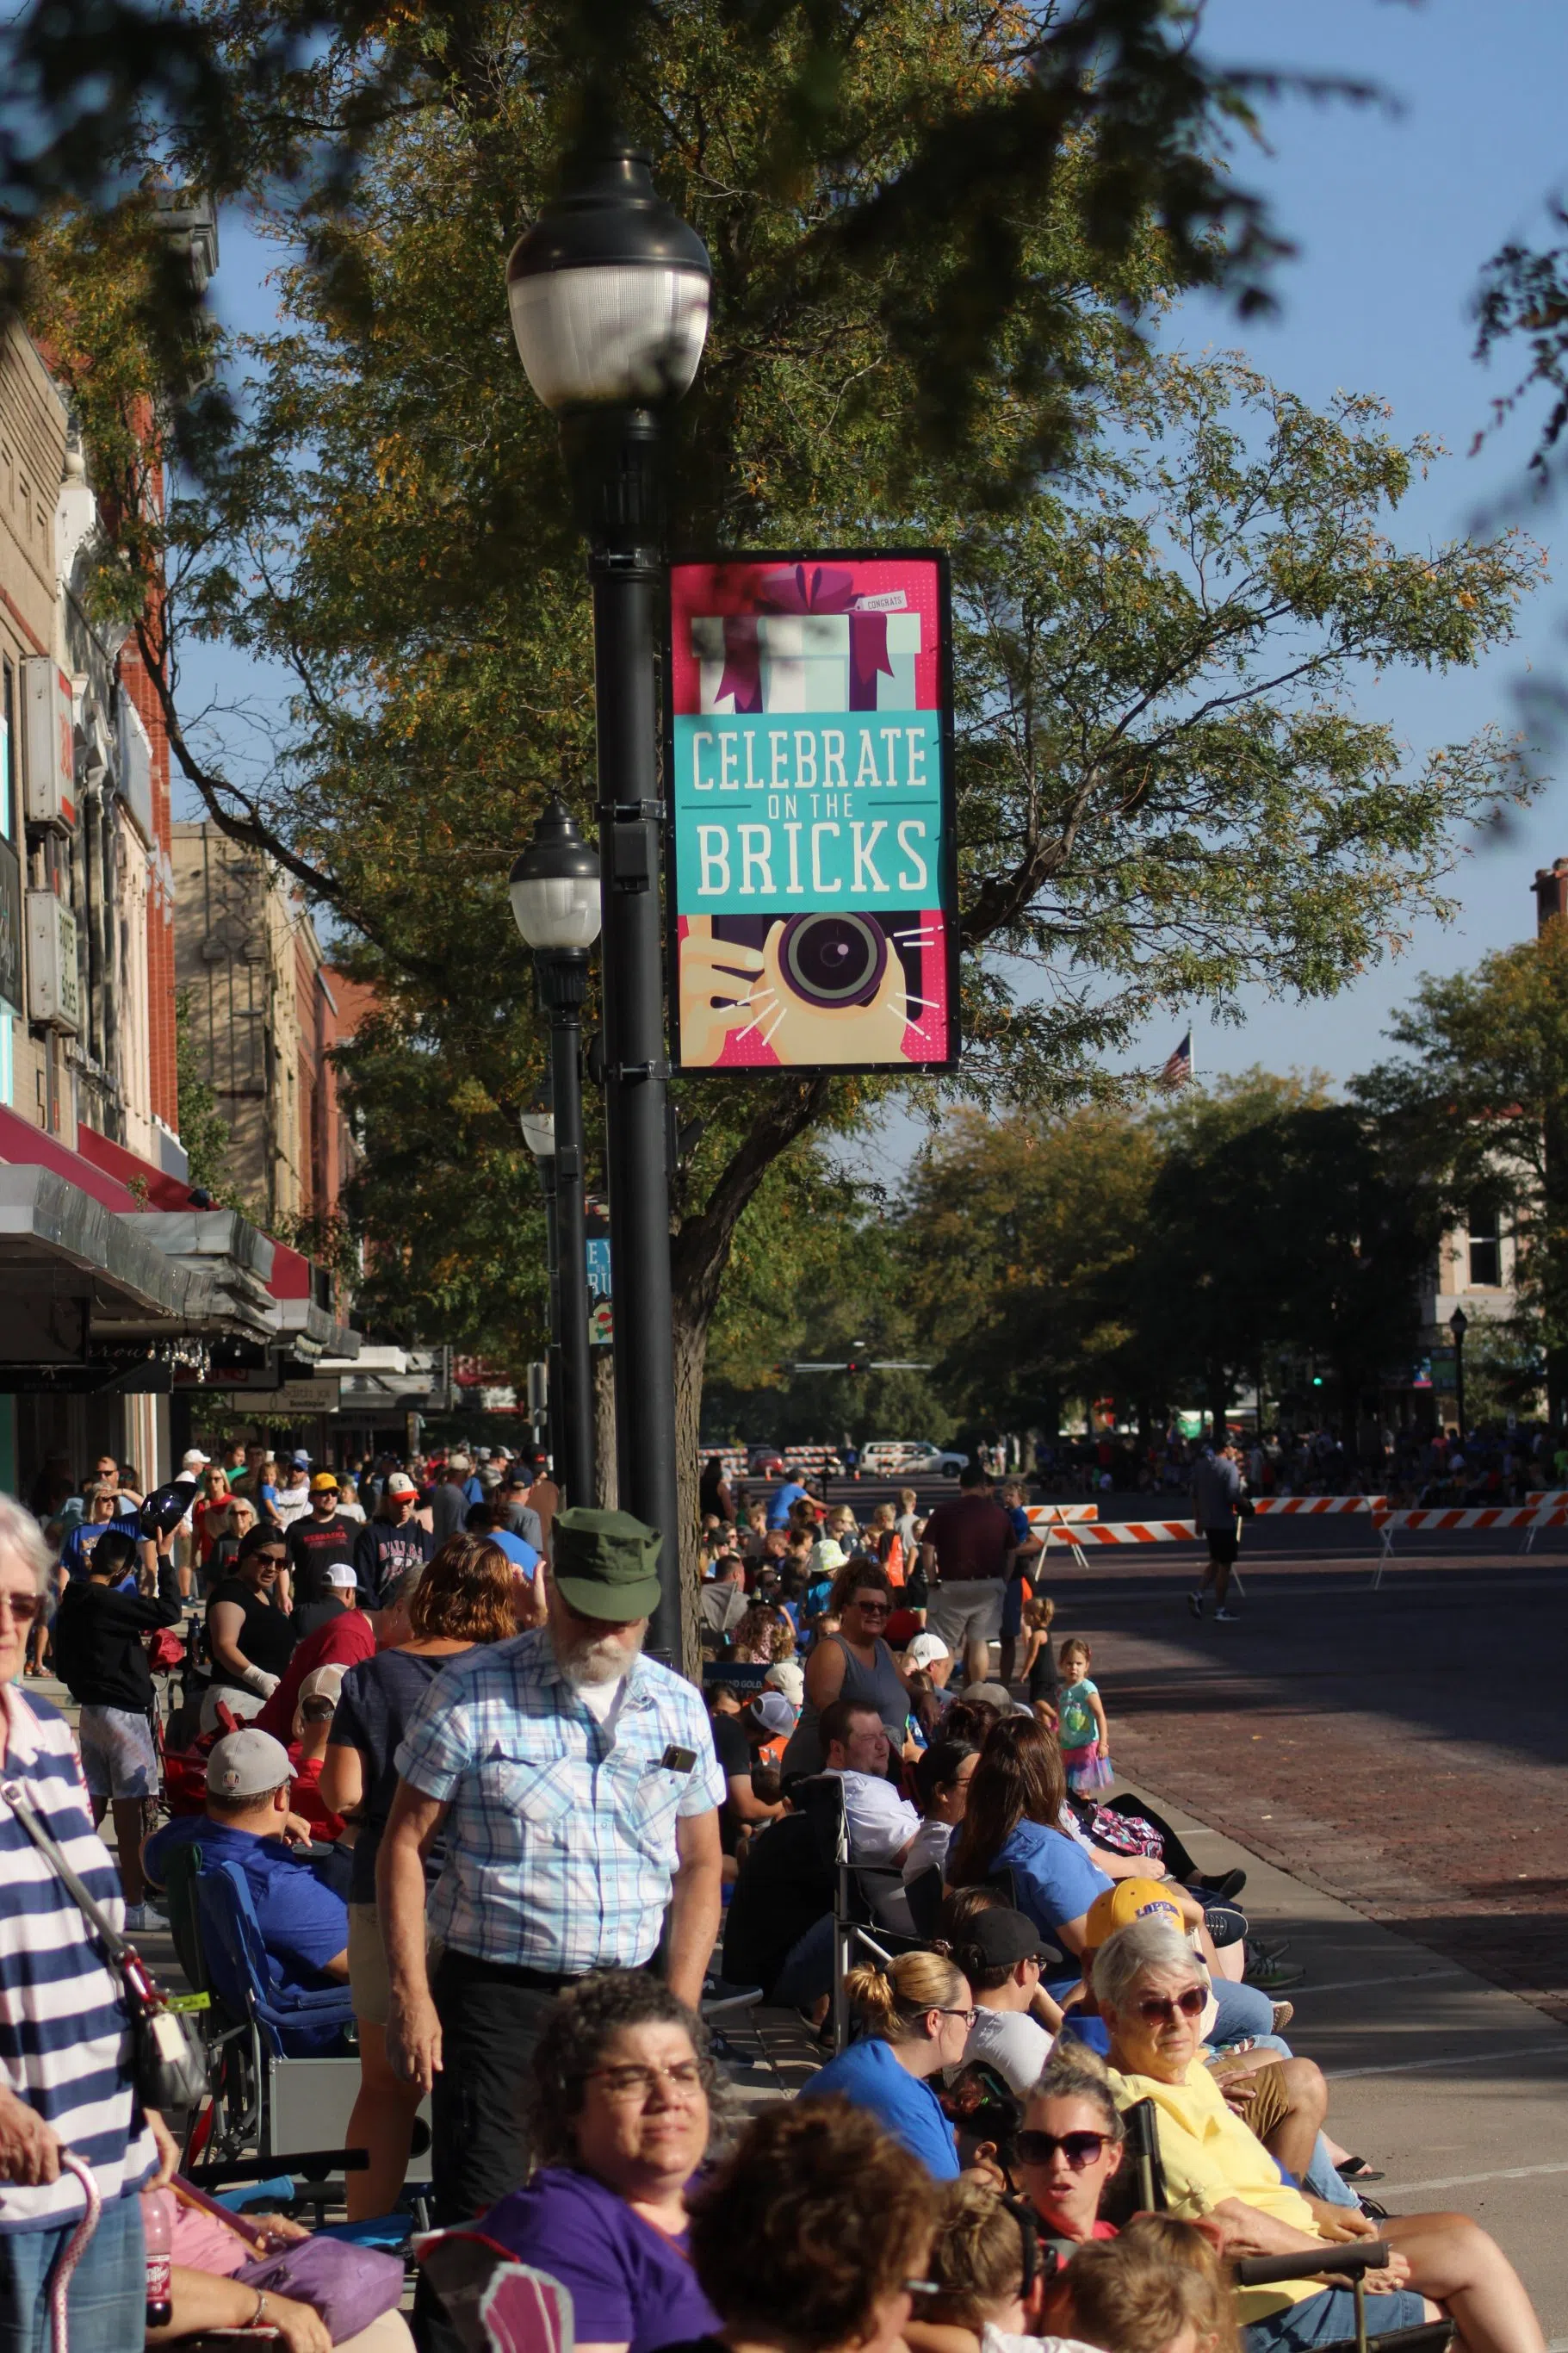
813, 886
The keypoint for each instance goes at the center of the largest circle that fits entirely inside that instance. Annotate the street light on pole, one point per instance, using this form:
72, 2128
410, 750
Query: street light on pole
555, 899
609, 296
1458, 1325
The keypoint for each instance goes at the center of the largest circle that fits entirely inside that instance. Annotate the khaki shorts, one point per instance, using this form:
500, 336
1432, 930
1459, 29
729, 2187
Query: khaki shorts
370, 1984
967, 1610
1271, 2100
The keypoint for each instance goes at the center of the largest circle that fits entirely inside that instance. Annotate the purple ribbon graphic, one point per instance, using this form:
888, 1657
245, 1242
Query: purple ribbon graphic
814, 588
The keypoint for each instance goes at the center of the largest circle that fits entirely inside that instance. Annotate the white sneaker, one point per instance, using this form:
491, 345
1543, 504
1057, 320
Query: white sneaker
1195, 1604
143, 1920
1227, 1617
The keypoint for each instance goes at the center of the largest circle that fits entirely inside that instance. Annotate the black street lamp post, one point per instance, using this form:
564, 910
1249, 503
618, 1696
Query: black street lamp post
538, 1135
1458, 1325
609, 296
555, 899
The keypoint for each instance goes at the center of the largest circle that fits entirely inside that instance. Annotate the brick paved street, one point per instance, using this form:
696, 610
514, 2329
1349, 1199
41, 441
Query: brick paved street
1402, 1750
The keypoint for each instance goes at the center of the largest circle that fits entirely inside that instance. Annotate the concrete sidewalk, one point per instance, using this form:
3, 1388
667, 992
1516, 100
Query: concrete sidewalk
1452, 2087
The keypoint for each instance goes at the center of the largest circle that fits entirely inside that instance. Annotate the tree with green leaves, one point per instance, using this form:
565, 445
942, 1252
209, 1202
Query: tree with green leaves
1018, 1245
1282, 1220
1482, 1095
1166, 785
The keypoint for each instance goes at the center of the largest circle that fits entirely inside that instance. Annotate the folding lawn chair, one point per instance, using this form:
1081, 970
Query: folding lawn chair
1143, 2181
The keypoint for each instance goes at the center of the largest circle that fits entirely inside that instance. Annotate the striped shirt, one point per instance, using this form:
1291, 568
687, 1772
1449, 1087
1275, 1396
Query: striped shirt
561, 1833
64, 2030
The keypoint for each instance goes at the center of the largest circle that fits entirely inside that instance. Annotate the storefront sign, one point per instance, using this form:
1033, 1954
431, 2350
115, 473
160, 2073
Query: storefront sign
813, 881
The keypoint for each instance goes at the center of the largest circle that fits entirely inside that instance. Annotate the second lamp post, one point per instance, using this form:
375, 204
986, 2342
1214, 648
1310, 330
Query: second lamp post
555, 899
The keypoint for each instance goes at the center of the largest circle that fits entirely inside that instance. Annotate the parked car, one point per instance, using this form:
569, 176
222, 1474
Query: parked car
764, 1463
889, 1458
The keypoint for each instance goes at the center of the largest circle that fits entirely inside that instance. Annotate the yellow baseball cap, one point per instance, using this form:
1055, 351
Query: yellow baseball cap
1128, 1900
323, 1484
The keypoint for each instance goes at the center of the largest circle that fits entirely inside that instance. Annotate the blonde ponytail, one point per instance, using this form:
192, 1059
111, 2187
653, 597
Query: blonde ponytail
891, 1999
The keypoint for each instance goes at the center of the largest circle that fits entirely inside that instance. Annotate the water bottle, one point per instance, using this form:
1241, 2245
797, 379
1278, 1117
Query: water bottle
158, 2228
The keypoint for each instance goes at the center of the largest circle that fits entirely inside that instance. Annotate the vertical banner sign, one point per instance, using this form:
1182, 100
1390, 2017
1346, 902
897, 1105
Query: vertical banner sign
813, 876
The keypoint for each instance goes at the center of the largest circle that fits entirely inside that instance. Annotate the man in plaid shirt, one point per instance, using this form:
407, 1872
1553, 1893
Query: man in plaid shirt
575, 1791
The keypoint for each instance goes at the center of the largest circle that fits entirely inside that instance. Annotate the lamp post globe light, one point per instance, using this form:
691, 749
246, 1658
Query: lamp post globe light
609, 297
554, 890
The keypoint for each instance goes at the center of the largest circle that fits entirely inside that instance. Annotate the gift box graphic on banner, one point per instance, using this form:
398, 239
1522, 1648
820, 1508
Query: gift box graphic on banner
814, 643
809, 758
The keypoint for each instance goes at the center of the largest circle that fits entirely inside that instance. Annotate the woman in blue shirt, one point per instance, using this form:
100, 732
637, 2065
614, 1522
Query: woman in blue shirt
1016, 1796
1010, 1823
917, 2013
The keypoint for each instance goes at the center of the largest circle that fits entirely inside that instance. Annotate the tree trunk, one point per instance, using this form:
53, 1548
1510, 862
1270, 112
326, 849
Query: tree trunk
699, 1252
606, 1486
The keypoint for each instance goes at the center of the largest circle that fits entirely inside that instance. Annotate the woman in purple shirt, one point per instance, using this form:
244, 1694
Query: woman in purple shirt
618, 2124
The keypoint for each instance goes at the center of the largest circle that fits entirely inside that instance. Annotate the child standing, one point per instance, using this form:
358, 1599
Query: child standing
1084, 1735
1038, 1669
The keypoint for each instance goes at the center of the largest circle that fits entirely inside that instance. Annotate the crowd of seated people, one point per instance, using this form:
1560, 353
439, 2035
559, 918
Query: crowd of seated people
955, 2180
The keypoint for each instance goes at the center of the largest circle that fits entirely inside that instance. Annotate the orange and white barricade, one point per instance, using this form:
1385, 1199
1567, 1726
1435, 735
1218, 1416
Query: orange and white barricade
1530, 1516
1315, 1507
1060, 1520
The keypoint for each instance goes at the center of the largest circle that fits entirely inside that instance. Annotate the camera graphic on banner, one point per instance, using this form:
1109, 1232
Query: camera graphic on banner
809, 760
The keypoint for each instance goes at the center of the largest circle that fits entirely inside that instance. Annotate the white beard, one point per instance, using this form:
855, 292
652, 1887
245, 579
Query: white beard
604, 1661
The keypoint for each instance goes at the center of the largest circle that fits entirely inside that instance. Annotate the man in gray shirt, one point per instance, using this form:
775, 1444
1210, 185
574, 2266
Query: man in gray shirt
449, 1501
521, 1516
1217, 1507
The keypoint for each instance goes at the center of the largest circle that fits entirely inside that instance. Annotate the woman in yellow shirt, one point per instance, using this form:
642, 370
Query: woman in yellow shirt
1151, 1993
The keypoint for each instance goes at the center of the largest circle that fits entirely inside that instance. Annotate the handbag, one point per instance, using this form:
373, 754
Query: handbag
348, 2287
169, 2066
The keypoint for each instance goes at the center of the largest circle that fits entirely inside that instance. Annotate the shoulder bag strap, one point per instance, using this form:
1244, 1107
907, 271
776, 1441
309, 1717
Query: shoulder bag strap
92, 1911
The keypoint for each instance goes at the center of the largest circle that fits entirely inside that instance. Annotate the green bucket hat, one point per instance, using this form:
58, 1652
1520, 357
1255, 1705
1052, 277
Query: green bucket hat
606, 1564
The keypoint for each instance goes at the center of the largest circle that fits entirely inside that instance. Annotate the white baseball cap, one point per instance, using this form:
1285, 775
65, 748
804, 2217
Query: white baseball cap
926, 1649
193, 1458
342, 1576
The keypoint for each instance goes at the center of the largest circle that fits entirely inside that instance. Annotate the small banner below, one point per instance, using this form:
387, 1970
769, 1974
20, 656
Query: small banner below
812, 870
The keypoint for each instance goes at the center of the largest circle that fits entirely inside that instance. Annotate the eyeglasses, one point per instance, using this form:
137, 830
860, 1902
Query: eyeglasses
873, 1608
1080, 2148
24, 1607
1160, 2008
273, 1559
968, 2016
627, 2085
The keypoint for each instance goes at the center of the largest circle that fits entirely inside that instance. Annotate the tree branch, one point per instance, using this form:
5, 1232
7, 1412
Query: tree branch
699, 1252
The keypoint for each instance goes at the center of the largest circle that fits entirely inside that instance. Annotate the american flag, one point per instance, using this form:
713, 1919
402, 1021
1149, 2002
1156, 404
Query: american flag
1178, 1070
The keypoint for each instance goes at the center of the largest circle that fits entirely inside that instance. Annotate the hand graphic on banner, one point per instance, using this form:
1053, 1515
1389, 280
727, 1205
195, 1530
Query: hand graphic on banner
716, 980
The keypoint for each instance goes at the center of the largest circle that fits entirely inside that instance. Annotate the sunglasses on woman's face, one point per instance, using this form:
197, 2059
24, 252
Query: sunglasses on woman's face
872, 1608
1080, 2148
1160, 2008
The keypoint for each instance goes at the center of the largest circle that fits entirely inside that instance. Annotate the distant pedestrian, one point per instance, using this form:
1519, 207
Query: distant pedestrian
1216, 1506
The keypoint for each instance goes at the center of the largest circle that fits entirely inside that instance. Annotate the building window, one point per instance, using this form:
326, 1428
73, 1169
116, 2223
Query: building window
1486, 1250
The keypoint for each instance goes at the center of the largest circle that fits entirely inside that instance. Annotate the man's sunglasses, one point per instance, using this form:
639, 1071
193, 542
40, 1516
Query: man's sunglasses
1160, 2008
1080, 2148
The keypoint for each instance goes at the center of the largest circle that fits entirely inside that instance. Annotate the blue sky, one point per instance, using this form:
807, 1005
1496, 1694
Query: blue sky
1394, 216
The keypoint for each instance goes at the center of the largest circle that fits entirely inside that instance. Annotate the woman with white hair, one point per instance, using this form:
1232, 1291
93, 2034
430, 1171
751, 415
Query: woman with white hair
1151, 1994
68, 2089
